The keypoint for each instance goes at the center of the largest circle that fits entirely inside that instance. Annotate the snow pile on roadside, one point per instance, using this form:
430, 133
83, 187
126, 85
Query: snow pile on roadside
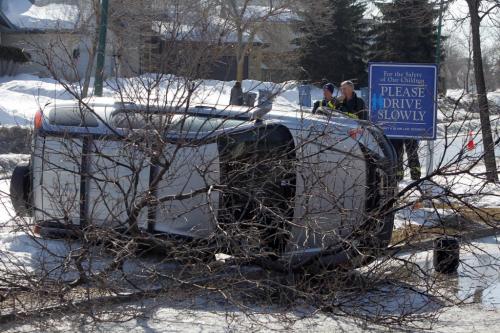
458, 191
9, 161
494, 96
468, 98
21, 96
471, 187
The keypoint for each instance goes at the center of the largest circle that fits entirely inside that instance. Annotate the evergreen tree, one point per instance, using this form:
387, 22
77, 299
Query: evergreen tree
405, 32
333, 42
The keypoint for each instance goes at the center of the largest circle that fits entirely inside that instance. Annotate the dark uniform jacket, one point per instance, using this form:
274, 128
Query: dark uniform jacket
354, 108
236, 96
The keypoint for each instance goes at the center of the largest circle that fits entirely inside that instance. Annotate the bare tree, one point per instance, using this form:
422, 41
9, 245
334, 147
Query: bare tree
247, 20
476, 16
90, 27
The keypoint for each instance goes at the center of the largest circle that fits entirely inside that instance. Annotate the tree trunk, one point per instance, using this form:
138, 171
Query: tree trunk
489, 147
240, 69
467, 77
240, 57
92, 53
90, 67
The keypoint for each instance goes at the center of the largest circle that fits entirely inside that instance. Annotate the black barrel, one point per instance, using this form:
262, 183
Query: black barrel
446, 255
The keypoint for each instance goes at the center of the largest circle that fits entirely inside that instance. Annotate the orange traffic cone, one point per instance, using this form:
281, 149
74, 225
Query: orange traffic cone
418, 205
470, 144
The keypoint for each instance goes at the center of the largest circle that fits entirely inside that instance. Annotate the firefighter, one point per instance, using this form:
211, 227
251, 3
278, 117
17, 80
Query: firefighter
328, 101
349, 103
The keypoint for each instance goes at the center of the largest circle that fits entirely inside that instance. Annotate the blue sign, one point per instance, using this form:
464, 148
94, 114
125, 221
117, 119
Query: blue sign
403, 99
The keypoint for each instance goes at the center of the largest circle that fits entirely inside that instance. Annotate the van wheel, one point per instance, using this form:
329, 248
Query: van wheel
20, 189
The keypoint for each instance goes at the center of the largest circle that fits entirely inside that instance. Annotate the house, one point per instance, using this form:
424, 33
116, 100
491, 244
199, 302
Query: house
180, 48
59, 36
211, 31
279, 55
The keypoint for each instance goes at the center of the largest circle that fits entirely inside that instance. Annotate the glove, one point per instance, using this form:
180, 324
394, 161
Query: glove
315, 106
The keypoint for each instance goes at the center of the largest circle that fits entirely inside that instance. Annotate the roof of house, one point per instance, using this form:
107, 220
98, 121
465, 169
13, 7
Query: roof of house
214, 33
29, 15
281, 15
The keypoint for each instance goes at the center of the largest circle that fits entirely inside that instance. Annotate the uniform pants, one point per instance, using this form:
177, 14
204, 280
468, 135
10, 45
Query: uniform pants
411, 147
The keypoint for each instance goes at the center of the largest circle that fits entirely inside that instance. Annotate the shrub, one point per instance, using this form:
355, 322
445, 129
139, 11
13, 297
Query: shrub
15, 139
15, 54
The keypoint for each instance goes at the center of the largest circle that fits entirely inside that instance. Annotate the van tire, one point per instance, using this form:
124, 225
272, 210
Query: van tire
20, 189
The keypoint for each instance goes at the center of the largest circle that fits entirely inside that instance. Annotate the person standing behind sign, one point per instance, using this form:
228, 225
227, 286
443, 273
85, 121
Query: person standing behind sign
411, 147
328, 101
350, 103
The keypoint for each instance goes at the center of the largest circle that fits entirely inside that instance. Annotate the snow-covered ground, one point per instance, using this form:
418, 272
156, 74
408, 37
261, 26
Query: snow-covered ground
476, 286
469, 187
459, 94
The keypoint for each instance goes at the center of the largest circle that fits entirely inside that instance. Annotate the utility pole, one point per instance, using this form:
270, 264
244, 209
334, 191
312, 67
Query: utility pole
101, 49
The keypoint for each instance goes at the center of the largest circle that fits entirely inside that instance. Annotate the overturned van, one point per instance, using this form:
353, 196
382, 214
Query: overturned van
301, 186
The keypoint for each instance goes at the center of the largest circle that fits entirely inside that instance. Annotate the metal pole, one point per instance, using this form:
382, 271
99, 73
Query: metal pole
430, 143
101, 49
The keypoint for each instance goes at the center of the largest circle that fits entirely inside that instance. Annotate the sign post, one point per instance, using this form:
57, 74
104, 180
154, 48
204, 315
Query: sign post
430, 144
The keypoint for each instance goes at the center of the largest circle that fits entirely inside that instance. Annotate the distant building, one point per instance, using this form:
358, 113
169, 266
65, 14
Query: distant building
59, 36
280, 52
213, 44
56, 34
40, 30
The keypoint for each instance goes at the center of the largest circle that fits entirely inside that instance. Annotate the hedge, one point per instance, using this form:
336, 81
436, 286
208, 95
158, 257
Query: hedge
15, 140
15, 54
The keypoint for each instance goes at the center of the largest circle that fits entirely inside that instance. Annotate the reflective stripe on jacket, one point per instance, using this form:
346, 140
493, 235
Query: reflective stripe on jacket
329, 104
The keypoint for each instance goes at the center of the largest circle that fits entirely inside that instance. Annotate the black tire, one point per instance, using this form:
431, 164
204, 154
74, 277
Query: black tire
20, 189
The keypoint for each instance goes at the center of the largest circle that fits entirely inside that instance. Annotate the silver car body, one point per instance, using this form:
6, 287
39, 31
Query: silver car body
334, 173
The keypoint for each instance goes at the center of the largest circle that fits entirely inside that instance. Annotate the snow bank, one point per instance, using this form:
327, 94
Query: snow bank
470, 187
21, 96
26, 15
460, 94
494, 96
9, 161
